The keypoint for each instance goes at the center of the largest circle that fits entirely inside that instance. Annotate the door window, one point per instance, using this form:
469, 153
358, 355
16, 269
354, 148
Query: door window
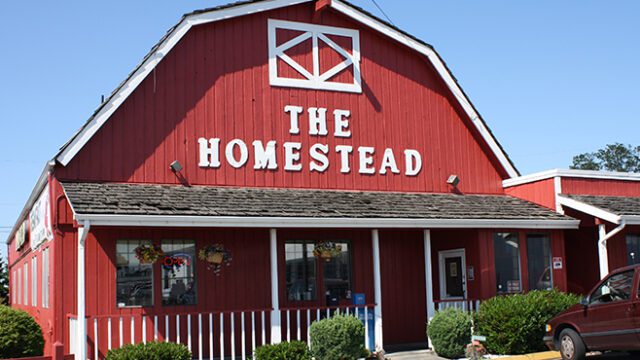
615, 288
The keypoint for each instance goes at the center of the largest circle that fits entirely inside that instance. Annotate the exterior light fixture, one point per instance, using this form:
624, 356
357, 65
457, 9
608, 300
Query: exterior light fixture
175, 166
453, 180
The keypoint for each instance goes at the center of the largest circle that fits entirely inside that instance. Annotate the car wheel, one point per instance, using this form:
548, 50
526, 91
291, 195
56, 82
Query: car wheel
571, 345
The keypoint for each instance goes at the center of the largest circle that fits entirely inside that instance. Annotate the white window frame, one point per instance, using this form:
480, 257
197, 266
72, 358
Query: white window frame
45, 278
14, 288
34, 281
25, 283
314, 79
442, 256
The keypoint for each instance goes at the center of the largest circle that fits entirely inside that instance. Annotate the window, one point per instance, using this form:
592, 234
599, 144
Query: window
539, 262
633, 249
616, 288
300, 271
18, 282
307, 276
134, 281
45, 278
25, 284
178, 273
506, 248
14, 288
34, 281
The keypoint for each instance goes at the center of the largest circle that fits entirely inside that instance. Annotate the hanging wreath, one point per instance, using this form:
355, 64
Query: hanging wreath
215, 255
327, 250
148, 254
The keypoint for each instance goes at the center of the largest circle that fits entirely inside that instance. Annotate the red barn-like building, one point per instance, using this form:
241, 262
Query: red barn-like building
271, 163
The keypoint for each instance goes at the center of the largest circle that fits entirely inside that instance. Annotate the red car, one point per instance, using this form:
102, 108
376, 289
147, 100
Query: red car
607, 319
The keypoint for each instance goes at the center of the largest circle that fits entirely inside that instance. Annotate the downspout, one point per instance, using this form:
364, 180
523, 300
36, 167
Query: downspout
602, 245
81, 325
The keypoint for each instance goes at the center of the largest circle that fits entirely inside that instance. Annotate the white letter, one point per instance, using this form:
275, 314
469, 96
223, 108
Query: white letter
244, 154
319, 152
208, 149
293, 111
291, 156
265, 158
389, 161
411, 168
318, 121
344, 151
342, 124
366, 160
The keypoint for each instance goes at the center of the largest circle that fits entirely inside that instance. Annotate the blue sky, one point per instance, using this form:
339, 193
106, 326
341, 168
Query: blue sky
551, 78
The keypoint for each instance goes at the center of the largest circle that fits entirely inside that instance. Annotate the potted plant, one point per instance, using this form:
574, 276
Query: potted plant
327, 250
215, 255
149, 254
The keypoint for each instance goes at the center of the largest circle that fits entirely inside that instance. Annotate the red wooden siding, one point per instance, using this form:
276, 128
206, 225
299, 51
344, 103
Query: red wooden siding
600, 187
540, 192
214, 83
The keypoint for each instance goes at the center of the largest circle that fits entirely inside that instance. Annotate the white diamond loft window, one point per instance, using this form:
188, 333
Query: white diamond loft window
313, 56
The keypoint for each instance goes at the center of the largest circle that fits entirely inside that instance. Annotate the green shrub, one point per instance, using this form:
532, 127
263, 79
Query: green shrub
20, 334
295, 350
338, 338
150, 351
450, 332
515, 324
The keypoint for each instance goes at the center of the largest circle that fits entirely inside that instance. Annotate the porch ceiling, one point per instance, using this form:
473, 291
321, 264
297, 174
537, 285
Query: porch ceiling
91, 201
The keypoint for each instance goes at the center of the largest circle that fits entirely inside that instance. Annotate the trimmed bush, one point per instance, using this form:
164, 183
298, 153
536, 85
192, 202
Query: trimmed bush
295, 350
450, 332
515, 324
20, 334
338, 338
150, 351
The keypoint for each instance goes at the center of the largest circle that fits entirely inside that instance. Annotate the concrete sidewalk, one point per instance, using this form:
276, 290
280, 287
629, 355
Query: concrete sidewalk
416, 354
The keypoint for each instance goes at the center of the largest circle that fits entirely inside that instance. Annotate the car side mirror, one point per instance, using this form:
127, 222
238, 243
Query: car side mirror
584, 301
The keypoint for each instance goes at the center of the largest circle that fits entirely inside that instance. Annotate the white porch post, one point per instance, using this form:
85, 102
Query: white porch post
603, 255
81, 324
428, 278
276, 334
377, 289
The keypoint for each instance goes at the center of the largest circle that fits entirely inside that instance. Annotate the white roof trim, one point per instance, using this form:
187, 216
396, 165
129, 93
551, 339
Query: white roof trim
631, 219
572, 173
65, 156
306, 222
590, 209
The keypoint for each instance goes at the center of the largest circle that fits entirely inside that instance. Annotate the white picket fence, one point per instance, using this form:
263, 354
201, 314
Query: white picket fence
465, 305
210, 335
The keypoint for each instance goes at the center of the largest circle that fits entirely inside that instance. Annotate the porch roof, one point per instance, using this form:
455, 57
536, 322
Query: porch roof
144, 204
614, 209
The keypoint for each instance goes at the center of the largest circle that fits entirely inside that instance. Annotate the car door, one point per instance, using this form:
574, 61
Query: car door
607, 323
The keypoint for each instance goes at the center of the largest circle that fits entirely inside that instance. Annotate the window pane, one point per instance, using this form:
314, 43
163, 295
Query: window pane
507, 257
615, 288
539, 262
134, 281
25, 284
300, 271
34, 281
633, 249
45, 278
178, 272
337, 275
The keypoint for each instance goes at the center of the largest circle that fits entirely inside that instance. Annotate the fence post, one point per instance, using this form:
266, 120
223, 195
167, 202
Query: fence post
58, 351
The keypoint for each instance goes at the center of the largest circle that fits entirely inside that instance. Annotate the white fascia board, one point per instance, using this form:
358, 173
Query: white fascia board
571, 173
152, 61
437, 62
589, 209
631, 219
35, 192
305, 222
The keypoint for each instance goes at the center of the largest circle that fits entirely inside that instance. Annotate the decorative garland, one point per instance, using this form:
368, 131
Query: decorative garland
327, 250
215, 255
149, 254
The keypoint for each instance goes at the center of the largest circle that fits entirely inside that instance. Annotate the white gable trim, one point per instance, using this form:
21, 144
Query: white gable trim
87, 132
589, 209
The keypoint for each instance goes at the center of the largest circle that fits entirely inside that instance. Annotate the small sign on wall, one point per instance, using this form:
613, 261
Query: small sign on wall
470, 273
557, 263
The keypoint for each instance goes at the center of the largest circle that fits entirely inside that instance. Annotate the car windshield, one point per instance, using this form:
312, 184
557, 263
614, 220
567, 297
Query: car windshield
615, 288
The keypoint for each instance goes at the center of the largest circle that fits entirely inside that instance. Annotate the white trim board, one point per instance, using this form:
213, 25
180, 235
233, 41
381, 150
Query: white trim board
570, 173
305, 222
87, 132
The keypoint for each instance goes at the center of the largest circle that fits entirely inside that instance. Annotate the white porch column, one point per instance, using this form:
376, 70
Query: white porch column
81, 324
603, 255
377, 288
276, 334
428, 278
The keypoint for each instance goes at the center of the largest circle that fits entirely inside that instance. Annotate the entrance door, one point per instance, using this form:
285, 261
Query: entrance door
453, 281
